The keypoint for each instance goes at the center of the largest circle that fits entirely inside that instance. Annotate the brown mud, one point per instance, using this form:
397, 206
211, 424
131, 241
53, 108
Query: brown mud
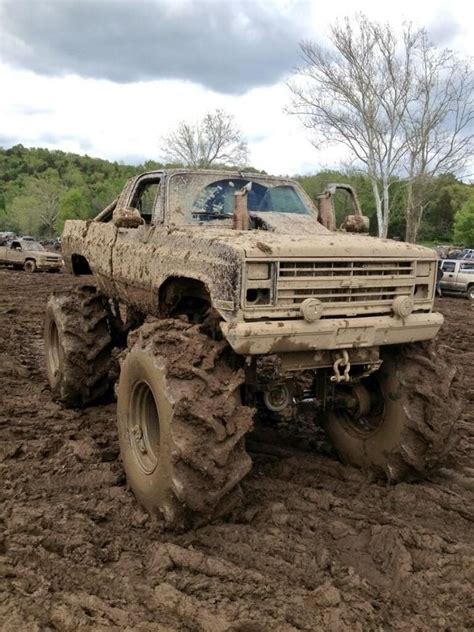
315, 546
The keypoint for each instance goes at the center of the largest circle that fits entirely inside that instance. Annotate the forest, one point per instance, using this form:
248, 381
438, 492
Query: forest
40, 189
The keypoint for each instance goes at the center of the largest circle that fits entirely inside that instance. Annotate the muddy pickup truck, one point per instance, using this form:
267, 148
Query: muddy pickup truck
458, 277
29, 255
235, 299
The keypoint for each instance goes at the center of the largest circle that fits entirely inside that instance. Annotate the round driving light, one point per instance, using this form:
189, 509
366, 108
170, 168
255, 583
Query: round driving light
403, 306
312, 309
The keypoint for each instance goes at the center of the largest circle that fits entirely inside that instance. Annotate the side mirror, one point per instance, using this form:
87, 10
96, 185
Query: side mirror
356, 224
127, 217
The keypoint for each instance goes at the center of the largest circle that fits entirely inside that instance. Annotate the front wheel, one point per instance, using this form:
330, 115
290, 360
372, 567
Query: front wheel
401, 420
30, 266
181, 423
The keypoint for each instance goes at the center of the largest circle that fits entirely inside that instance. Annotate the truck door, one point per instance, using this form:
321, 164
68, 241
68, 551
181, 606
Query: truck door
465, 275
15, 253
132, 252
448, 279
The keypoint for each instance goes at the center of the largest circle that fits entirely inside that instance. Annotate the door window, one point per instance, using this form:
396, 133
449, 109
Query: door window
145, 199
448, 266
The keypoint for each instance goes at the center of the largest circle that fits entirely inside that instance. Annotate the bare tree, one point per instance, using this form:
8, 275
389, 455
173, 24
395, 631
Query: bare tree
214, 139
355, 94
438, 125
402, 107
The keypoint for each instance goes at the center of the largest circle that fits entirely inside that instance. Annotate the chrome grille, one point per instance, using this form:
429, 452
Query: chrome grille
344, 268
344, 286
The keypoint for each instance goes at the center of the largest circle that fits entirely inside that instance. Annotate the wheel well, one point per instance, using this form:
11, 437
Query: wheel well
80, 265
180, 295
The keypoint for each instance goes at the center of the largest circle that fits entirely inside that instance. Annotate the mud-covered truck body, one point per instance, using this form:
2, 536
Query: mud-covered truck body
240, 297
29, 255
258, 280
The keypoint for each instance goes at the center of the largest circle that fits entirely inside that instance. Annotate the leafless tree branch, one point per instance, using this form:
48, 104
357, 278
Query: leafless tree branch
214, 139
402, 108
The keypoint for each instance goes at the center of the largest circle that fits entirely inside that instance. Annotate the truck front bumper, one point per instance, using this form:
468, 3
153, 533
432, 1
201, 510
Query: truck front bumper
256, 338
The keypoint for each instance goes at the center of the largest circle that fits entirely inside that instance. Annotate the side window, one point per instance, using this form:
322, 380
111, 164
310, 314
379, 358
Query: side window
448, 266
146, 198
467, 267
15, 245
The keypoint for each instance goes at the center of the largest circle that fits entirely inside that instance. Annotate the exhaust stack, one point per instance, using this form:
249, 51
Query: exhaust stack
241, 213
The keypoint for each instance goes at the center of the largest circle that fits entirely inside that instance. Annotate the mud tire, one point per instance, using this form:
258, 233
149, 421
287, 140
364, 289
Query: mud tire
200, 458
30, 266
77, 346
420, 409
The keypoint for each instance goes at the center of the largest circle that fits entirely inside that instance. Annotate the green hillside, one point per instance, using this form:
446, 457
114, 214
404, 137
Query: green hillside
41, 188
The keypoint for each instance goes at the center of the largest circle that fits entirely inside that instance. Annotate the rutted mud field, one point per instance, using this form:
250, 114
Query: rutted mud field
315, 547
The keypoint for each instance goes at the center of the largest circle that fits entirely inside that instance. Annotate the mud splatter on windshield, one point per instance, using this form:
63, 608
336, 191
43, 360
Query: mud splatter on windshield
202, 197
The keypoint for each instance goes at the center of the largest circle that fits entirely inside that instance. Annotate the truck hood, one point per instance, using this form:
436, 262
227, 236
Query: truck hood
288, 235
332, 245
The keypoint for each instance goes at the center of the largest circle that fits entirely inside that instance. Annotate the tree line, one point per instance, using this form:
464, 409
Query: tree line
40, 189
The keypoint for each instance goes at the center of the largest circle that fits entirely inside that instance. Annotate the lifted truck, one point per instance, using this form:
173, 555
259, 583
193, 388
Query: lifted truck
233, 294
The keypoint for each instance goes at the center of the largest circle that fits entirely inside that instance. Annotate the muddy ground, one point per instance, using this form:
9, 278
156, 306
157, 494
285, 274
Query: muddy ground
316, 546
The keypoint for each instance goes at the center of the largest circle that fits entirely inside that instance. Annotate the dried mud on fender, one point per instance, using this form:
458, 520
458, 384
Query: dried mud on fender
314, 547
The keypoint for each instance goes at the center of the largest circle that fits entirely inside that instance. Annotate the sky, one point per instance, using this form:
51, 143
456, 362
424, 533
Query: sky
109, 78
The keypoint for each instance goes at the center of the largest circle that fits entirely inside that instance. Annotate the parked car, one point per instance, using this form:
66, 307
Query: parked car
468, 253
29, 255
458, 277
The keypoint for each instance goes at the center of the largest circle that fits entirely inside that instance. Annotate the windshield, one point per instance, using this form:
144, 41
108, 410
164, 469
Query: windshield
31, 245
202, 198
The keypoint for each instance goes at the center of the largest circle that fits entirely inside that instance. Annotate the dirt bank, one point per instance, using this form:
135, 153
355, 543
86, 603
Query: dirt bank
315, 547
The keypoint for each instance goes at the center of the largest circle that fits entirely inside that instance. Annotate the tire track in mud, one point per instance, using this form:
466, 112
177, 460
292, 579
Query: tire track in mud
314, 546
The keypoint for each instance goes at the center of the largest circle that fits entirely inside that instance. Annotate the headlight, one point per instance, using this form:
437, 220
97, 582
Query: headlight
423, 268
424, 283
258, 296
259, 284
258, 271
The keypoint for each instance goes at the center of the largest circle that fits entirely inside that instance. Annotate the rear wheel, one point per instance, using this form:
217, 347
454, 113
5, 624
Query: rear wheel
181, 423
30, 266
400, 423
77, 346
470, 292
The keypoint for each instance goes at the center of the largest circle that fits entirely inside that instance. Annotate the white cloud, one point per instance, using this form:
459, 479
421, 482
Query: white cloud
125, 121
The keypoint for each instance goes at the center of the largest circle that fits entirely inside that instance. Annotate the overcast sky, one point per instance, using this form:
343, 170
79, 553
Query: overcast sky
110, 77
